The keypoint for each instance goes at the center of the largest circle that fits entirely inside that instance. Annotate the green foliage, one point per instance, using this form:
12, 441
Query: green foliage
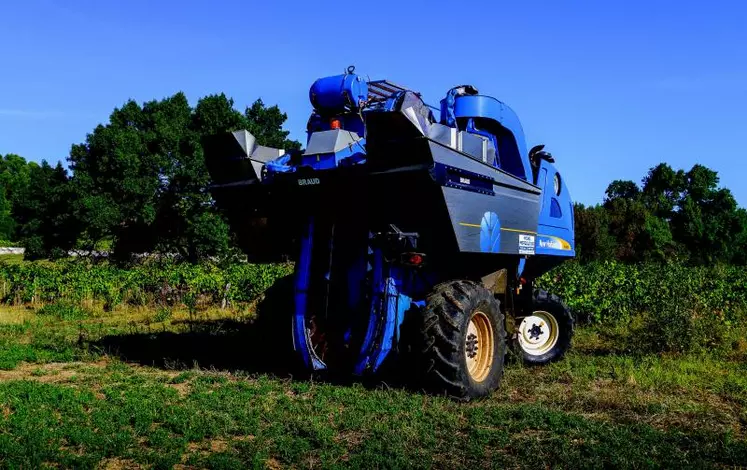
15, 176
675, 216
141, 179
266, 124
162, 314
593, 239
7, 224
64, 310
163, 284
671, 307
47, 227
15, 181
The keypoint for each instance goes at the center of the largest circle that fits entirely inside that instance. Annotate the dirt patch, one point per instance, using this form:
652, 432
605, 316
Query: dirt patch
118, 464
53, 372
217, 445
181, 388
205, 448
273, 464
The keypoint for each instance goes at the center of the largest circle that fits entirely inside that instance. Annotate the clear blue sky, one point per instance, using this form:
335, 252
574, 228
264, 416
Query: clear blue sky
612, 87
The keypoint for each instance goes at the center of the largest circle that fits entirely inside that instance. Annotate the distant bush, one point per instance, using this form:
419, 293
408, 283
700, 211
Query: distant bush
151, 284
667, 307
611, 291
662, 307
64, 311
162, 314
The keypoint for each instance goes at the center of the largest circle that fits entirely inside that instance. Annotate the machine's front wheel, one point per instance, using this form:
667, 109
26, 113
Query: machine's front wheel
545, 334
463, 341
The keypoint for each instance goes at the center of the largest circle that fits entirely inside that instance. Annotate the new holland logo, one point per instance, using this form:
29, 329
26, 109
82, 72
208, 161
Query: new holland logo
553, 243
308, 181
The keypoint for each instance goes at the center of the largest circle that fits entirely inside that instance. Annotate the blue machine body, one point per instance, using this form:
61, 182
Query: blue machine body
343, 98
555, 228
338, 93
498, 204
508, 133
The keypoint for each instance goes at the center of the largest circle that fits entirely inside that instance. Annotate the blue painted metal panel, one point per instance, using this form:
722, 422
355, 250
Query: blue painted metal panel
555, 225
377, 284
387, 312
349, 155
490, 108
303, 272
395, 306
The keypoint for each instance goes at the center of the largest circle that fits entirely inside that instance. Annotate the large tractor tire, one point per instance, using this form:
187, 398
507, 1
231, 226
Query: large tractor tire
462, 341
545, 335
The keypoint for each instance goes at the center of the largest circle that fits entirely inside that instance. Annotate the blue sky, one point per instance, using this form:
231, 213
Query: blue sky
612, 87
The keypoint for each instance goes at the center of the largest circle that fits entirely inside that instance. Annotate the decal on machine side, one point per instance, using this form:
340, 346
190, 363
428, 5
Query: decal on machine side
308, 181
526, 244
554, 243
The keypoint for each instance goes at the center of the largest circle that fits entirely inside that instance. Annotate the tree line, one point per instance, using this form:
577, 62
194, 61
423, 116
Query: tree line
139, 184
672, 216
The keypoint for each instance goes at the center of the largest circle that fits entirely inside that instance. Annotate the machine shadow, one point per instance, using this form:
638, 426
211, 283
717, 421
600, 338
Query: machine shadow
230, 346
225, 345
261, 346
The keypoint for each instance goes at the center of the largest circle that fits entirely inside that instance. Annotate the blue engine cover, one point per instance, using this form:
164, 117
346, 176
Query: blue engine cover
555, 231
338, 93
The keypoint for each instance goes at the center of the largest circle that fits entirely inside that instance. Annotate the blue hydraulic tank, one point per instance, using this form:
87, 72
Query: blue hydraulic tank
338, 93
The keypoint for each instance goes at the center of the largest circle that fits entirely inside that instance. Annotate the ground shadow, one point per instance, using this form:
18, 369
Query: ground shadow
262, 345
222, 345
259, 347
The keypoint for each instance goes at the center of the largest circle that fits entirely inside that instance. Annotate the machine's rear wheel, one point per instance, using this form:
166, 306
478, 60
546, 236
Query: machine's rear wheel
544, 335
463, 341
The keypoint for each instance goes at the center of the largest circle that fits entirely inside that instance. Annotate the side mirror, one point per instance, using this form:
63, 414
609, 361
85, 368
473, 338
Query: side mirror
537, 153
535, 149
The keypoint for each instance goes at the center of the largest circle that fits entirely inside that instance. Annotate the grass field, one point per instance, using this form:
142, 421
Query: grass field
139, 388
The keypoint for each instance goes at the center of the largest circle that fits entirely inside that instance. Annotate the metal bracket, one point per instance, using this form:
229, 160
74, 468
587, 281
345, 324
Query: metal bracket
395, 242
496, 282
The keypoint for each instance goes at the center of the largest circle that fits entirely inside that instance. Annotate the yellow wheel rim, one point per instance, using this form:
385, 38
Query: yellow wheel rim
538, 333
479, 345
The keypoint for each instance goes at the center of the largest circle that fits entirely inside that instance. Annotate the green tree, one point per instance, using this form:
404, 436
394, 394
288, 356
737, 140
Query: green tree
267, 126
674, 216
15, 180
639, 233
593, 240
7, 224
188, 222
662, 190
708, 222
142, 182
48, 228
15, 176
620, 189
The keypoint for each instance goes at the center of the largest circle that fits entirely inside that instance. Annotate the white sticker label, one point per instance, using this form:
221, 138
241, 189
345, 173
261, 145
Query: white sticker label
526, 244
464, 180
